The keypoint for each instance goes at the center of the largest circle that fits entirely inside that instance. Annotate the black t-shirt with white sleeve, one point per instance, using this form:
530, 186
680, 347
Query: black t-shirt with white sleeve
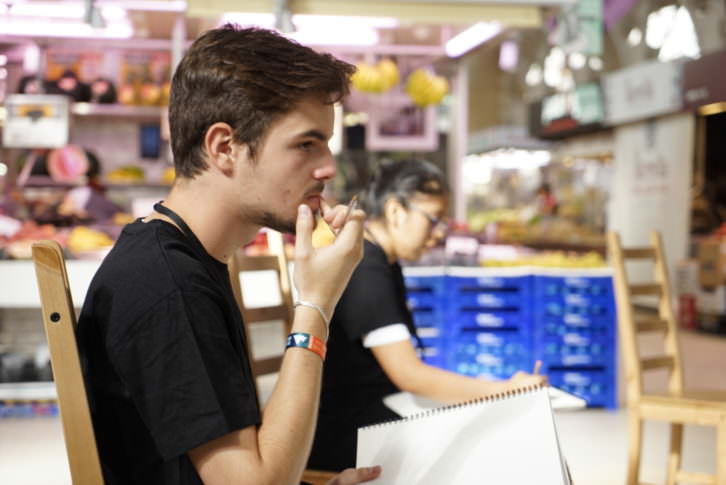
164, 356
354, 384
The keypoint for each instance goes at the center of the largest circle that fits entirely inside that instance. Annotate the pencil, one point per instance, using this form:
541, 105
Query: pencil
537, 366
352, 205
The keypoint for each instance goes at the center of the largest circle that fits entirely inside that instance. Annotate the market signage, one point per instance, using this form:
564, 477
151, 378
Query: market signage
643, 91
36, 121
703, 81
566, 113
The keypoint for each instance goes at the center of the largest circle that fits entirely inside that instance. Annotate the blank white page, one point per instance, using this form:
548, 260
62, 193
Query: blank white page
508, 440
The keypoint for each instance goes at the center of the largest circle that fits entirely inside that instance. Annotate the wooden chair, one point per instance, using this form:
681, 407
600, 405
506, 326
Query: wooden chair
277, 261
59, 320
255, 316
675, 406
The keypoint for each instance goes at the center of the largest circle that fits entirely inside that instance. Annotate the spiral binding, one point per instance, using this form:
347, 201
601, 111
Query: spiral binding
451, 407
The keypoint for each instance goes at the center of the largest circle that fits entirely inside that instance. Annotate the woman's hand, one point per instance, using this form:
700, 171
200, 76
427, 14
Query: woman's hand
523, 379
353, 476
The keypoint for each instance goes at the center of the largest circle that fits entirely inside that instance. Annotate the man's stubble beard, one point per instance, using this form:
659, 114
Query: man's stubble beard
276, 223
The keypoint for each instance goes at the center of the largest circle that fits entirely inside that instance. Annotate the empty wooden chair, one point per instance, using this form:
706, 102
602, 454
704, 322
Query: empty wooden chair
59, 320
676, 406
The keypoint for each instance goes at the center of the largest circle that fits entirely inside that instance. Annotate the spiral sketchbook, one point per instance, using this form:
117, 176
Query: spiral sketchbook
507, 438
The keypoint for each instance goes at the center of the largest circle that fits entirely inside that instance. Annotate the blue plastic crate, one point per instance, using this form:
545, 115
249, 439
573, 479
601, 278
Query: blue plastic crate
473, 318
489, 299
488, 281
575, 350
573, 313
429, 318
498, 354
429, 279
597, 386
587, 287
553, 326
425, 300
433, 355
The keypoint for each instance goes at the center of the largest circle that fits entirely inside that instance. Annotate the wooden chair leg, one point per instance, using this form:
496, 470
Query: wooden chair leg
674, 456
721, 452
635, 438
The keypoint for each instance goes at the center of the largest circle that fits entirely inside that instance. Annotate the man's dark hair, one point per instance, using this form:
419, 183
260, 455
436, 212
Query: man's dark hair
247, 78
402, 181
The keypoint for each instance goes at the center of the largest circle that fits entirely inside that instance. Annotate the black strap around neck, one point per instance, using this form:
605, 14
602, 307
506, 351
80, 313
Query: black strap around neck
162, 209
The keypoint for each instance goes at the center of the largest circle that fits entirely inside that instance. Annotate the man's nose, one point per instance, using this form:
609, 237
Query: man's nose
327, 168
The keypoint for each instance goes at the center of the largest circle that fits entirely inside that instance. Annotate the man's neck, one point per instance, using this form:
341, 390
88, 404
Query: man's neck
218, 226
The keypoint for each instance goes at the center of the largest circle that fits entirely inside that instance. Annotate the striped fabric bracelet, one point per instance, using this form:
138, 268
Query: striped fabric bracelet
307, 341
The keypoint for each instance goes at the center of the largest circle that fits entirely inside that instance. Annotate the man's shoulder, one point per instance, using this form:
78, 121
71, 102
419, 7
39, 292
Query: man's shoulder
147, 262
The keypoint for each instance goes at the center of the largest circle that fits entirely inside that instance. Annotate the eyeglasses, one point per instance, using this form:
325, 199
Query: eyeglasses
435, 223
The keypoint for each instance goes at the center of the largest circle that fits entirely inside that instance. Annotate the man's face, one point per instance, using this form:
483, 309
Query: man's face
292, 164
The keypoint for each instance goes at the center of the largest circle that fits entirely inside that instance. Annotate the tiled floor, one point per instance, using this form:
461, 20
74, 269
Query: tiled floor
594, 441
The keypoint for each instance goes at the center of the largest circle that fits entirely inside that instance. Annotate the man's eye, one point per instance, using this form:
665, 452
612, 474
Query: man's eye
306, 145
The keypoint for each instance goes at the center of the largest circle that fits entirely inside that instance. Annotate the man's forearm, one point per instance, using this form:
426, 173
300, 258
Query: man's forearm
289, 417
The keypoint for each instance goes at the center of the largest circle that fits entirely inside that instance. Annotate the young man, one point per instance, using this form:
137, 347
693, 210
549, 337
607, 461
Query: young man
161, 338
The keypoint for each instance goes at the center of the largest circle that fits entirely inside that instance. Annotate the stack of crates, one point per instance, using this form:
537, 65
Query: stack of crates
488, 324
574, 319
426, 298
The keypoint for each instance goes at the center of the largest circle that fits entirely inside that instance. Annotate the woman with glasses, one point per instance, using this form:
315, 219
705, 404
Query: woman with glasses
372, 347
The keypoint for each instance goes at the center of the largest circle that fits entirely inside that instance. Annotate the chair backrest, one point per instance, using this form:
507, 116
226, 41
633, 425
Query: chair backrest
253, 316
59, 320
631, 323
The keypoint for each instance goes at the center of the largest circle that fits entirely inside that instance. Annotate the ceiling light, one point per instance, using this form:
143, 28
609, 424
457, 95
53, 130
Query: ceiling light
47, 28
595, 63
577, 60
508, 56
534, 75
681, 39
635, 36
472, 37
658, 25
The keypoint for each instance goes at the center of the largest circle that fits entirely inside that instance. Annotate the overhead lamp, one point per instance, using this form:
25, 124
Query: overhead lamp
595, 63
48, 28
635, 36
472, 37
320, 29
534, 75
92, 15
577, 60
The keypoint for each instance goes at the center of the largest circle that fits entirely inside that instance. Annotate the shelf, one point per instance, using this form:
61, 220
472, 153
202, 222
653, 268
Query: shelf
150, 113
111, 111
28, 391
41, 181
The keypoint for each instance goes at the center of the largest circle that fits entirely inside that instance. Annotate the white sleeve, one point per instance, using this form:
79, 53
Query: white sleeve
395, 332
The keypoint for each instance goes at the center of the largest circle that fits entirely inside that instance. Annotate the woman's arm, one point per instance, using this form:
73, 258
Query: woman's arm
403, 366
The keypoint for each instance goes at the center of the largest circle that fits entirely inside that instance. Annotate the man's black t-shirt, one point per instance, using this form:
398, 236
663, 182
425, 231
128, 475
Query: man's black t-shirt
354, 384
164, 356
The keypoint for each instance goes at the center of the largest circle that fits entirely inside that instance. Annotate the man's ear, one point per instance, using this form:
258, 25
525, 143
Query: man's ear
220, 147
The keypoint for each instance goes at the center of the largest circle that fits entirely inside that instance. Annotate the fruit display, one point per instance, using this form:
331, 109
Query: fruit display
83, 239
168, 176
426, 89
377, 78
126, 174
18, 245
551, 259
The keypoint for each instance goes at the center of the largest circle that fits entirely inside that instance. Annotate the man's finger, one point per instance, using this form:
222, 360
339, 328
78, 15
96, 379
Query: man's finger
304, 231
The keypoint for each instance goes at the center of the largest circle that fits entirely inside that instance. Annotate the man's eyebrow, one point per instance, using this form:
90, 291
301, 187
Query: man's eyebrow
313, 134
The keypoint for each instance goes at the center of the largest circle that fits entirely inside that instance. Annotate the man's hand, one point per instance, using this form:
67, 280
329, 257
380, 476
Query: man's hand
353, 476
322, 274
